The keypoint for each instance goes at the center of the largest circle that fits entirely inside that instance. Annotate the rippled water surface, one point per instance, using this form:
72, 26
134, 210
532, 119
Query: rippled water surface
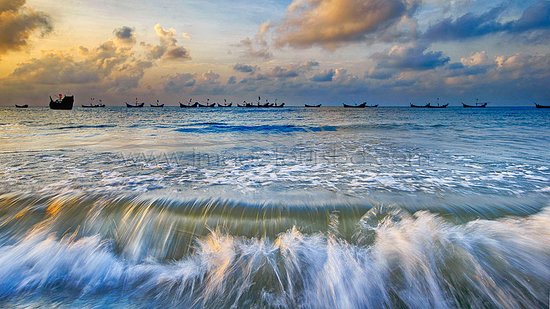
292, 207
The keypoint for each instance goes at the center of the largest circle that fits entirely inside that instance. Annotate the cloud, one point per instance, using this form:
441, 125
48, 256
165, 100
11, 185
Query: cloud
467, 26
476, 63
258, 46
291, 71
168, 48
332, 23
55, 69
180, 82
514, 78
18, 23
125, 34
325, 76
534, 17
283, 73
414, 57
475, 59
245, 68
110, 68
208, 83
11, 5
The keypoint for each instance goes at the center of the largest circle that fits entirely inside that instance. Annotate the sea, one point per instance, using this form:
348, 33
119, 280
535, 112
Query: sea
330, 207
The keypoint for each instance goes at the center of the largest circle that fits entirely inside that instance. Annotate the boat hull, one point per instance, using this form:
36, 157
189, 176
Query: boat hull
438, 106
429, 106
474, 106
189, 105
65, 104
363, 105
542, 106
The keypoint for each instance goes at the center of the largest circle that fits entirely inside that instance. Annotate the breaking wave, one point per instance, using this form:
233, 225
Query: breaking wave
226, 253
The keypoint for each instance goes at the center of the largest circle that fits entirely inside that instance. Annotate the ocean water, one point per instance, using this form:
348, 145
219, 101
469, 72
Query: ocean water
275, 208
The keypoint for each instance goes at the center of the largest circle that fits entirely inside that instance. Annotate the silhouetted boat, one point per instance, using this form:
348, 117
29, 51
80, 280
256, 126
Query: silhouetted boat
372, 106
64, 102
92, 105
429, 105
22, 106
207, 104
420, 106
266, 104
477, 105
157, 105
225, 104
189, 105
317, 105
362, 105
541, 106
246, 104
482, 105
135, 105
277, 105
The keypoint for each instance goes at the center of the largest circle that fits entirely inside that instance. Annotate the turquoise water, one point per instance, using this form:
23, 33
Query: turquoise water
291, 207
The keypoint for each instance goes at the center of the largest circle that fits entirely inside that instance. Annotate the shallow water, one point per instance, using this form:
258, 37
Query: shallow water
293, 207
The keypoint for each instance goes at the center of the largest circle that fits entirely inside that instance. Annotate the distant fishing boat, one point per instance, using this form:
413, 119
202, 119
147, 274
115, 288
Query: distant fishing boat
92, 105
157, 105
207, 104
266, 104
439, 106
22, 106
362, 105
420, 106
541, 106
225, 104
135, 105
63, 102
316, 105
189, 105
246, 104
429, 105
477, 105
371, 106
278, 105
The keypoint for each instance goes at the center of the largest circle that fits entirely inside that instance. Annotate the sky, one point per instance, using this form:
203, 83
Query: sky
389, 52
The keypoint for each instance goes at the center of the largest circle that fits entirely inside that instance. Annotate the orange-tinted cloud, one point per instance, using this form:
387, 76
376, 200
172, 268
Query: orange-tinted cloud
331, 23
168, 49
110, 68
18, 23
